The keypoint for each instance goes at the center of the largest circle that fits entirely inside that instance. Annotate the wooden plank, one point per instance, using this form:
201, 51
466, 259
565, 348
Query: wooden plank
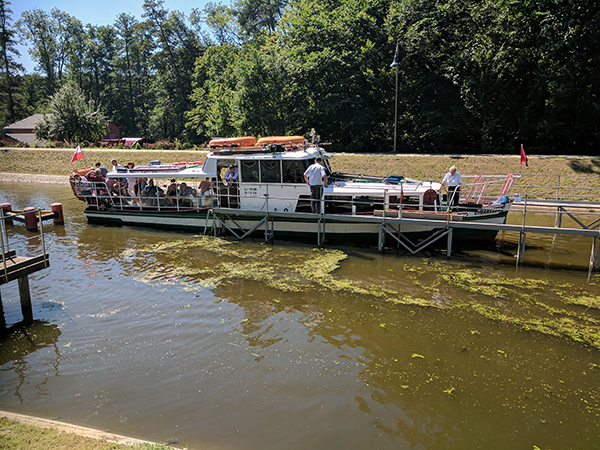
23, 267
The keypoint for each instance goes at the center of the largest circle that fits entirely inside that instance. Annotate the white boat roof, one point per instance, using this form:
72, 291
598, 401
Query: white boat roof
194, 171
141, 172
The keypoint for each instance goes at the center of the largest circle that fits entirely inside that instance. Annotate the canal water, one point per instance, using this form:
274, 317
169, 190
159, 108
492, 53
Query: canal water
207, 343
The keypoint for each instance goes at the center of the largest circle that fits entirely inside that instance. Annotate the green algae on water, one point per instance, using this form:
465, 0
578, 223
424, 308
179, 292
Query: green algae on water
532, 305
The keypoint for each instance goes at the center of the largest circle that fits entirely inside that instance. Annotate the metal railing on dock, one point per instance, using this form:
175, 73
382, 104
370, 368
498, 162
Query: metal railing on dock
15, 267
390, 222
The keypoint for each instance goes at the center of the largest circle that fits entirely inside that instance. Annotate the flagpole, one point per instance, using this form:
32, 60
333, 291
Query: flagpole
521, 165
82, 154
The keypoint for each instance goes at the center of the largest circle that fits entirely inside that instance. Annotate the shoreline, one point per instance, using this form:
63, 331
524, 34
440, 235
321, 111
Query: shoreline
76, 429
33, 178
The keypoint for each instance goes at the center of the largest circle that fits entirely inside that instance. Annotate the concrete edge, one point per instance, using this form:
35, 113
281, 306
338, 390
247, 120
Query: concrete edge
34, 178
75, 429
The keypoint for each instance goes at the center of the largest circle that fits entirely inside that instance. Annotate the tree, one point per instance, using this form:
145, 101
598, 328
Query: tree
177, 49
215, 86
131, 78
71, 118
257, 17
221, 20
51, 37
9, 109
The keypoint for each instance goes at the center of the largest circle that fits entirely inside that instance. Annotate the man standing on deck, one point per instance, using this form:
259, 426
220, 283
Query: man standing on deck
453, 179
316, 178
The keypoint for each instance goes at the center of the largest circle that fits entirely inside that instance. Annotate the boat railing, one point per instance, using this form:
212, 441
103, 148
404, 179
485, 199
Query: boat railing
98, 196
264, 197
483, 191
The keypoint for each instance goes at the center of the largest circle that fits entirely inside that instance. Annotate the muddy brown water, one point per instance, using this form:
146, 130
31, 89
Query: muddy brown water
209, 344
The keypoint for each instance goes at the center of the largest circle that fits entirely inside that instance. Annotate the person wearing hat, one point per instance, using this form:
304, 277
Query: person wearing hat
316, 178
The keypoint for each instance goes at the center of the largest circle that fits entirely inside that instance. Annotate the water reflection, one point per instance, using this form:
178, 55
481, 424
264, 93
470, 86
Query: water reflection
19, 342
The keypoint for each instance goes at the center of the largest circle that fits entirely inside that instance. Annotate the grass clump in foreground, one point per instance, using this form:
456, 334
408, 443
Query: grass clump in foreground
15, 435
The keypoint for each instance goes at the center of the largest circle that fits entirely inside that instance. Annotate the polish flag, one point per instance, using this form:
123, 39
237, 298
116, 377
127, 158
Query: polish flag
78, 155
524, 157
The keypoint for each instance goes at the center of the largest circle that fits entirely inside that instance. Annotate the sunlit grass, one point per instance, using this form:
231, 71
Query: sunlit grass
19, 436
576, 177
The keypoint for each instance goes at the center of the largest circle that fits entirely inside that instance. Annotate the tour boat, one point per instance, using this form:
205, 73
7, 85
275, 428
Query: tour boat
272, 198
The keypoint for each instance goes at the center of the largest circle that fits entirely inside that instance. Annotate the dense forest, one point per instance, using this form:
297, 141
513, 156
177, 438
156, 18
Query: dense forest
471, 76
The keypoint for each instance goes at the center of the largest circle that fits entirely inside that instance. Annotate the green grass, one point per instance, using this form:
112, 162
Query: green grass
18, 436
578, 178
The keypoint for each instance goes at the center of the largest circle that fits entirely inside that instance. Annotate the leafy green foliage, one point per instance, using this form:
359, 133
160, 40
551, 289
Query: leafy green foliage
473, 76
71, 118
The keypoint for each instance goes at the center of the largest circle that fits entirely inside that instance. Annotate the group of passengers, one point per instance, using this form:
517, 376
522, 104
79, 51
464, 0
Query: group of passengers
133, 190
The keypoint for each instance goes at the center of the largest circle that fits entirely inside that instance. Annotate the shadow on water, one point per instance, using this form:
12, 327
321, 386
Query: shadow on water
20, 340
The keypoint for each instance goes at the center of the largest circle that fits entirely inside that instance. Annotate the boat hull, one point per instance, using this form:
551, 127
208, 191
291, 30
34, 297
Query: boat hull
296, 225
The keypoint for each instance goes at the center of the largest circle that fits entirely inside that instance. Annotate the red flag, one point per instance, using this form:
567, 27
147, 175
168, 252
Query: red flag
524, 157
78, 155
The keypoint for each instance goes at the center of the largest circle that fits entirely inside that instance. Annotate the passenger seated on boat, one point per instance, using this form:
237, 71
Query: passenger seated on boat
102, 168
149, 193
195, 199
171, 193
204, 186
184, 194
207, 198
81, 191
140, 185
95, 176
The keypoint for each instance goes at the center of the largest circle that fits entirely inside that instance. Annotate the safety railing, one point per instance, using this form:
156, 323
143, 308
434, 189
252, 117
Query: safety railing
8, 243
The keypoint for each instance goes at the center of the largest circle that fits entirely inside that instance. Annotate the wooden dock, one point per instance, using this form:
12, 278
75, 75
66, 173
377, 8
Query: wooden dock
15, 267
390, 226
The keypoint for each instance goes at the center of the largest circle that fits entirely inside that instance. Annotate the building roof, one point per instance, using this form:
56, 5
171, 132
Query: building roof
25, 138
27, 123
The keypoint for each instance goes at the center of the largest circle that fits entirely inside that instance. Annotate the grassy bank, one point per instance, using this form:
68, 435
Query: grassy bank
578, 177
15, 435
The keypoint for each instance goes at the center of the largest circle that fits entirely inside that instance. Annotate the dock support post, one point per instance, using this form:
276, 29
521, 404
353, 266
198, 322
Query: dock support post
594, 256
2, 319
558, 219
521, 248
449, 251
26, 308
320, 231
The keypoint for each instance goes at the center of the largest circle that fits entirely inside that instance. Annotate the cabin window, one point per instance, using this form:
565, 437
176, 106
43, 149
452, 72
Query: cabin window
327, 166
270, 171
249, 171
293, 171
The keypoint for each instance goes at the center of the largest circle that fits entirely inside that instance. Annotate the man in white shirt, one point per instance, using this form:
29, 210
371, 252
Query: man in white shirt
316, 178
453, 180
115, 166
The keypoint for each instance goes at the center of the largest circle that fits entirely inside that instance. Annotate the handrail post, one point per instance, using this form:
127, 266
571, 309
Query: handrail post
42, 237
4, 235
